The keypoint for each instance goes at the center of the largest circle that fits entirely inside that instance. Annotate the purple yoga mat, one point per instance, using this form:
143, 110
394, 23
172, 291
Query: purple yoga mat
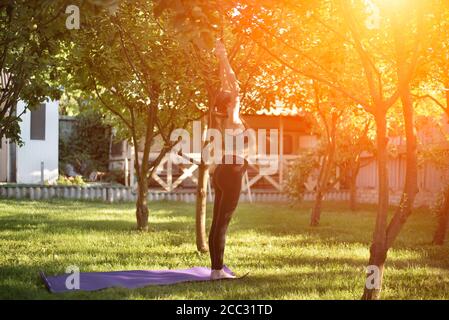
92, 281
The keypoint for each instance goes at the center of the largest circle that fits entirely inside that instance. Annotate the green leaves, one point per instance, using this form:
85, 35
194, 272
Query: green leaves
196, 21
87, 148
133, 64
30, 43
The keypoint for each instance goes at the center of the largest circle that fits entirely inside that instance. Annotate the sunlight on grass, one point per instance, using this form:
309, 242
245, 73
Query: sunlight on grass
285, 257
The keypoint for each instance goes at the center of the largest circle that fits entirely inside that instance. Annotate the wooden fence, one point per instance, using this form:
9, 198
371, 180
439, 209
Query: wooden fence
430, 178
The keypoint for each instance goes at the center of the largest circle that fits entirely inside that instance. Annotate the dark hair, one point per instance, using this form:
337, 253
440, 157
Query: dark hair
222, 101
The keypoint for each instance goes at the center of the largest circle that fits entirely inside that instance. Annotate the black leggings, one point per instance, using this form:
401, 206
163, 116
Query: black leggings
227, 182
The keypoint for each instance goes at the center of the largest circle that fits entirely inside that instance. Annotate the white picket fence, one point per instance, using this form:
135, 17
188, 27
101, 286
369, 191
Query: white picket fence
124, 194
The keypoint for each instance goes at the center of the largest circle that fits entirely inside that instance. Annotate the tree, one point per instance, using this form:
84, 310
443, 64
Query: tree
195, 22
199, 23
140, 74
355, 137
382, 44
439, 157
328, 116
342, 128
406, 54
374, 77
30, 38
435, 89
443, 219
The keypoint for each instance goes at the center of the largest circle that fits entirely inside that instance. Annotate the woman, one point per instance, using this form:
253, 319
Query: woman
227, 176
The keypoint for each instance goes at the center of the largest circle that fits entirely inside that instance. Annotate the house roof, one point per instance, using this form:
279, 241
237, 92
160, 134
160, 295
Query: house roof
279, 110
290, 123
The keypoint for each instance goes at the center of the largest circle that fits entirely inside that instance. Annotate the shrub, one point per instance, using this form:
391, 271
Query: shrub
115, 176
70, 181
298, 174
87, 148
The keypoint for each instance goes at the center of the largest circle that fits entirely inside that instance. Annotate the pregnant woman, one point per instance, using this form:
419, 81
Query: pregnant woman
227, 176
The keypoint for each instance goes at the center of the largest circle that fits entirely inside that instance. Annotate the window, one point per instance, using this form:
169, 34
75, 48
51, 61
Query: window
117, 149
37, 129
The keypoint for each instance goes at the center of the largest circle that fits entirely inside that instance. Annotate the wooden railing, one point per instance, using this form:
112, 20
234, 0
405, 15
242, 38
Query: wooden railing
168, 181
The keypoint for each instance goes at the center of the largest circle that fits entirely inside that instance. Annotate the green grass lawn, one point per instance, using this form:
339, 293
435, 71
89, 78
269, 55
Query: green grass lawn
285, 257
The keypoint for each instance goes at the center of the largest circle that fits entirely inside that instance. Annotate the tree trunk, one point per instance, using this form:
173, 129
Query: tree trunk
378, 250
355, 164
411, 178
142, 204
353, 192
316, 210
201, 201
443, 215
378, 255
354, 170
443, 221
322, 184
384, 237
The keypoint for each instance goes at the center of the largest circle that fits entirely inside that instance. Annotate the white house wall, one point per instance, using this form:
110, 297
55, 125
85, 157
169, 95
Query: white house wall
34, 152
3, 160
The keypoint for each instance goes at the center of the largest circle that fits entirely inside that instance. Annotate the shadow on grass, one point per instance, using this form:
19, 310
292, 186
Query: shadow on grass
28, 285
21, 281
315, 285
47, 224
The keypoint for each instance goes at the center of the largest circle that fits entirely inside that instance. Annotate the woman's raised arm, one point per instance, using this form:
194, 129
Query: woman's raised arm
227, 75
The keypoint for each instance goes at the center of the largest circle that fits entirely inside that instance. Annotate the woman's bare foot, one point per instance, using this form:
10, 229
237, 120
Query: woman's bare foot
220, 274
